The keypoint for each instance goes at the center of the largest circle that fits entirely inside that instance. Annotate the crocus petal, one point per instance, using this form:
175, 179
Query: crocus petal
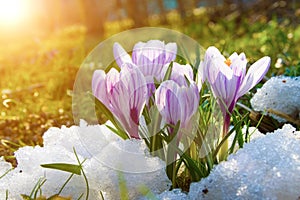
137, 52
254, 75
224, 83
171, 51
179, 73
238, 67
98, 81
134, 90
99, 86
136, 85
148, 53
151, 56
167, 102
200, 75
215, 67
242, 56
112, 78
224, 91
190, 97
124, 94
121, 56
213, 52
233, 56
176, 102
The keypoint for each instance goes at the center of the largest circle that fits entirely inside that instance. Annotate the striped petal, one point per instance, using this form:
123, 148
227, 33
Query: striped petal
151, 56
176, 102
120, 55
124, 94
254, 75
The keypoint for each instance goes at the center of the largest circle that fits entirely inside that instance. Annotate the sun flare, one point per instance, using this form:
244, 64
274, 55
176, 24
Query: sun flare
11, 11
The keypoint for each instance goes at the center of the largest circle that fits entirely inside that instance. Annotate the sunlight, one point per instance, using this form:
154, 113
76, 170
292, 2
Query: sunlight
11, 12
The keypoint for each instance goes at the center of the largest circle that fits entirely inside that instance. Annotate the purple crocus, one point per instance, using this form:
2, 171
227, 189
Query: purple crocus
150, 57
181, 74
124, 94
177, 102
153, 55
228, 78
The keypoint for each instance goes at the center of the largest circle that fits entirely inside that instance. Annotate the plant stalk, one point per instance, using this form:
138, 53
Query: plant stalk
223, 153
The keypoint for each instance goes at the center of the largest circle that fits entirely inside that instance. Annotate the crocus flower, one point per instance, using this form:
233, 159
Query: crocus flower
150, 57
153, 55
180, 73
124, 94
177, 102
228, 78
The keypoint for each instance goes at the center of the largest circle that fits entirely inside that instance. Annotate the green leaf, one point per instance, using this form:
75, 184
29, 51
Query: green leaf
187, 80
117, 132
193, 168
168, 72
156, 82
75, 169
146, 115
175, 129
240, 139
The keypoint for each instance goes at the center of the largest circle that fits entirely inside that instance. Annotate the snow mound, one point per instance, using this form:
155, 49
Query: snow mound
107, 159
266, 168
279, 94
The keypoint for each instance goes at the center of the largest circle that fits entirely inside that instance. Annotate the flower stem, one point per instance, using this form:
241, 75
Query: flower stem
171, 161
223, 153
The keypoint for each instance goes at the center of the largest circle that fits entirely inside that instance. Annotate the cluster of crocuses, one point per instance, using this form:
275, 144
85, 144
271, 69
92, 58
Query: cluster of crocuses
145, 80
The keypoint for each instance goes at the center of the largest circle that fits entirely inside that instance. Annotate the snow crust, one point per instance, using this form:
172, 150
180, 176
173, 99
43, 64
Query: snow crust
281, 94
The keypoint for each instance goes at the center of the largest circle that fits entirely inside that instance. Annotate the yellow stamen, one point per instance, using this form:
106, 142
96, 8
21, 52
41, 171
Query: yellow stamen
228, 62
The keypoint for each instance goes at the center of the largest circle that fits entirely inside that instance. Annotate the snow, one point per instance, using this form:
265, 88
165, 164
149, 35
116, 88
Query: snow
174, 194
4, 166
129, 158
266, 168
280, 94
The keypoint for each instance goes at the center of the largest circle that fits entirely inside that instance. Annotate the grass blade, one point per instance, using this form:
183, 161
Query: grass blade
75, 169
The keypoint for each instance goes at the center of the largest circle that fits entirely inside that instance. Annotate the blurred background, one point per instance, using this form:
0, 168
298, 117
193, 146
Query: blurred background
43, 43
34, 18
